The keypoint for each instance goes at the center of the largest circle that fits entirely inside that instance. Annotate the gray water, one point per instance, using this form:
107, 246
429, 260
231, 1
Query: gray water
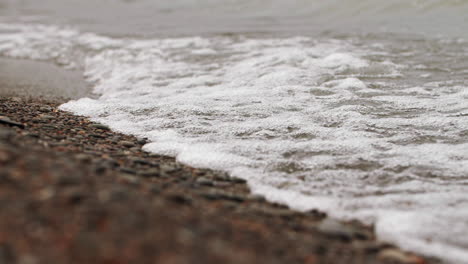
148, 18
358, 108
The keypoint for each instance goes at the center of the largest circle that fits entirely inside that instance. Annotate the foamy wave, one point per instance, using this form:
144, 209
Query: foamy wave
313, 123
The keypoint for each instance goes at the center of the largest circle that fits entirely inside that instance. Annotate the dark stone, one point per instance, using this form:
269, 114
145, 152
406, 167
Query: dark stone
127, 144
149, 173
128, 170
6, 121
180, 198
204, 181
334, 228
100, 126
220, 195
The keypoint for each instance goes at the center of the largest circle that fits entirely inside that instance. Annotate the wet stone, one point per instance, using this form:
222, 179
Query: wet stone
46, 117
334, 228
45, 109
397, 256
97, 136
140, 161
128, 170
127, 144
220, 195
100, 126
149, 173
204, 181
180, 198
142, 141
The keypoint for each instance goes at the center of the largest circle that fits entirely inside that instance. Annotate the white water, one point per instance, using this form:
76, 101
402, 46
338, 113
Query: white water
371, 129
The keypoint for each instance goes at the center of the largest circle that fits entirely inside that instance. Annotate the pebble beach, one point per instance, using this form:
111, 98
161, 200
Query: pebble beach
72, 191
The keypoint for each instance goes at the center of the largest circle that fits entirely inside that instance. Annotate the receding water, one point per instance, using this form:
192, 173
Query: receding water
358, 108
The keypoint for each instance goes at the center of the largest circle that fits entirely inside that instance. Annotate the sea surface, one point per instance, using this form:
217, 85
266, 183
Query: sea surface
355, 107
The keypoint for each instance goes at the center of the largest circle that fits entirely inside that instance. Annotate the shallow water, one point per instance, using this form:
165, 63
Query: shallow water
317, 107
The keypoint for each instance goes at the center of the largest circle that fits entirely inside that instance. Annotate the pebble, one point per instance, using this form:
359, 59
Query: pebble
127, 144
137, 160
45, 109
16, 99
46, 117
204, 181
149, 173
221, 195
398, 256
335, 228
7, 121
128, 170
256, 198
100, 126
142, 141
97, 136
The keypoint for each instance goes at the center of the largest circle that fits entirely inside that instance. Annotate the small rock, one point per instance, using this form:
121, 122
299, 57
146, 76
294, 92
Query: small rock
149, 173
7, 121
128, 170
46, 117
46, 194
142, 141
49, 127
45, 109
204, 181
139, 161
237, 180
16, 99
220, 195
127, 144
395, 255
97, 136
256, 198
335, 228
100, 126
179, 198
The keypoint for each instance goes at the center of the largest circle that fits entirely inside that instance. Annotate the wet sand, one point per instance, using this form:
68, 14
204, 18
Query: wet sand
36, 79
72, 191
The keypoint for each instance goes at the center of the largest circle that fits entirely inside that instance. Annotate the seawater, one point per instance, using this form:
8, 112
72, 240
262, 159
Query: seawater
368, 124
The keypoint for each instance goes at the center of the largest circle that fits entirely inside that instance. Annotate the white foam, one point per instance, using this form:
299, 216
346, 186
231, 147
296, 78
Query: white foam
292, 116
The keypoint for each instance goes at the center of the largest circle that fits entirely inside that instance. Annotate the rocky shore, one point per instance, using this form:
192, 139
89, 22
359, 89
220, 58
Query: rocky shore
72, 191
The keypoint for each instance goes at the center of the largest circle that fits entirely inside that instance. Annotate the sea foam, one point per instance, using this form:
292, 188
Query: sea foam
312, 123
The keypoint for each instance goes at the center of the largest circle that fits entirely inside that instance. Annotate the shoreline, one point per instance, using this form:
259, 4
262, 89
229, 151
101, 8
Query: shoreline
86, 194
